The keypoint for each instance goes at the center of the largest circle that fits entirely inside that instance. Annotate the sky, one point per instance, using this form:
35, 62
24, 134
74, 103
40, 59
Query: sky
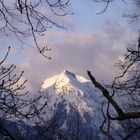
92, 42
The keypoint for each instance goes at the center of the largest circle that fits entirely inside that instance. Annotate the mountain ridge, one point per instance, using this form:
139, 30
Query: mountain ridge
76, 99
65, 75
68, 82
72, 111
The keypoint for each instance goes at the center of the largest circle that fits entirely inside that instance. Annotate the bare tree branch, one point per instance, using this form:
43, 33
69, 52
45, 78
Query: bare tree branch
14, 101
121, 115
33, 21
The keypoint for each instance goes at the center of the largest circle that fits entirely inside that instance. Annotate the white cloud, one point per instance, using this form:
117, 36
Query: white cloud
95, 51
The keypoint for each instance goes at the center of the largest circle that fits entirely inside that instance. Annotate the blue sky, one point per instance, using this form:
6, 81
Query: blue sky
93, 42
87, 19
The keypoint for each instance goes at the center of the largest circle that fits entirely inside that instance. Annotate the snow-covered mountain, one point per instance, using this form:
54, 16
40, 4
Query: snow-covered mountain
71, 113
74, 101
73, 89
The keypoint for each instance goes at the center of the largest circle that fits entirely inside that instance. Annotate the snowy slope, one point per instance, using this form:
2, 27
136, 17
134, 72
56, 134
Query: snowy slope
73, 89
72, 111
76, 100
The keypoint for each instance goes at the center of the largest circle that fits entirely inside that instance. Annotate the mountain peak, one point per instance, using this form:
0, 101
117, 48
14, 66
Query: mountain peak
68, 73
74, 98
62, 79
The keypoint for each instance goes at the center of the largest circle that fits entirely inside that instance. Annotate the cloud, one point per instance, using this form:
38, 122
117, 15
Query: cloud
95, 44
78, 52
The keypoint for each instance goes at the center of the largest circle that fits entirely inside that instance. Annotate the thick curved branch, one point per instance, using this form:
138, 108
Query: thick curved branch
121, 115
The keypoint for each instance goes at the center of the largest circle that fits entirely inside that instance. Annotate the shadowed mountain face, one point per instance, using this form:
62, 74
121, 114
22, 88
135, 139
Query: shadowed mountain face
74, 102
71, 114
